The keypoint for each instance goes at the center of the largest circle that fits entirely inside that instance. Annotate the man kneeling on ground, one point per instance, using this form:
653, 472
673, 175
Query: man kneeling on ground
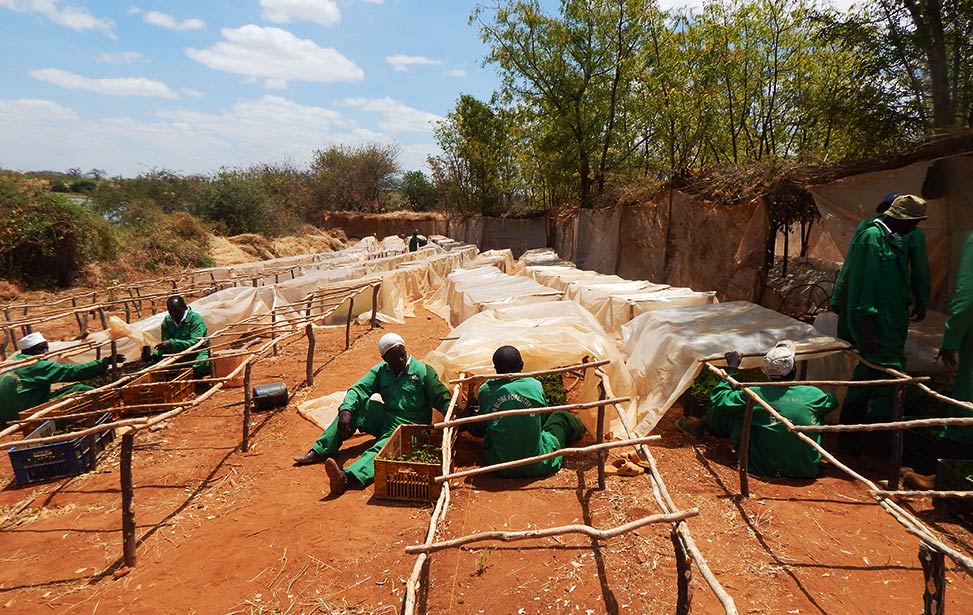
518, 437
409, 390
774, 451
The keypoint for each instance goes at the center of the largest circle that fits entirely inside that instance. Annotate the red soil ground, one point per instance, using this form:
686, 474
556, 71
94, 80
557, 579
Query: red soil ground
222, 531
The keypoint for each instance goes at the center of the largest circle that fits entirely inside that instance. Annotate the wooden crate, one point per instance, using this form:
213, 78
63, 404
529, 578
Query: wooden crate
159, 387
408, 480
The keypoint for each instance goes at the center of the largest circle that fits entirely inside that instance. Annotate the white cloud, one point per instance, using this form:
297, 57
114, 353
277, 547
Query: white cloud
323, 12
33, 110
119, 86
277, 55
275, 84
455, 72
122, 57
402, 63
69, 16
40, 134
164, 20
395, 116
372, 1
191, 93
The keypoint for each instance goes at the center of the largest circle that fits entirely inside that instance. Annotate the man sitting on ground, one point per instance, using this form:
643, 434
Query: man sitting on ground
29, 386
774, 451
409, 390
518, 437
182, 328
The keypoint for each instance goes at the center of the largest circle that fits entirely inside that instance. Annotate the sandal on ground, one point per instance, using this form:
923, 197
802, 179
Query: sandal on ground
627, 468
635, 458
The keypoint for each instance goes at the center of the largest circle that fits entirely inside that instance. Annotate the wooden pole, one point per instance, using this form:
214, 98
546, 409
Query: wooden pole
745, 450
600, 437
565, 452
245, 444
273, 330
522, 411
543, 372
587, 530
934, 573
77, 316
128, 496
351, 307
898, 402
374, 321
311, 343
684, 575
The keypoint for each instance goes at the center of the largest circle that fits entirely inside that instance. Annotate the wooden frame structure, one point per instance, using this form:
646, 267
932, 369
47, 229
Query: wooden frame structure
685, 549
932, 549
318, 306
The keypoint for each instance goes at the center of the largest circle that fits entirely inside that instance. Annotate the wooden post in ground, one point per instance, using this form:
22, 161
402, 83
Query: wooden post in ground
600, 437
128, 495
77, 316
351, 306
374, 320
934, 573
104, 325
245, 444
898, 404
684, 574
745, 449
273, 330
311, 343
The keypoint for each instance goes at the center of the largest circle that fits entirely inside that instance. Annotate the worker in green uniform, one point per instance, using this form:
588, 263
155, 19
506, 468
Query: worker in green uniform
958, 340
183, 328
517, 437
920, 279
29, 386
414, 241
876, 302
409, 390
773, 450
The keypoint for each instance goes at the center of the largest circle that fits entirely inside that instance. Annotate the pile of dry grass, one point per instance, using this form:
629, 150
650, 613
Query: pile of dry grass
250, 247
311, 240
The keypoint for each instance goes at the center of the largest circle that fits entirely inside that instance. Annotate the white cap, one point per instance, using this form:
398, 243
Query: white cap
779, 360
389, 341
30, 340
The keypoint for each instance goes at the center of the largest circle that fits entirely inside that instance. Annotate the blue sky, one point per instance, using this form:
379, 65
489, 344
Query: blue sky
192, 87
195, 86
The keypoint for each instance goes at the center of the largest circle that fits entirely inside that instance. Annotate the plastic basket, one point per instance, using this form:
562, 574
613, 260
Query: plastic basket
86, 402
44, 462
158, 387
408, 480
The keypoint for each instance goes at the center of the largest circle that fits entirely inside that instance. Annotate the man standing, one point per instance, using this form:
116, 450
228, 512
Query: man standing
875, 300
958, 339
414, 241
409, 390
518, 437
29, 386
183, 328
774, 450
920, 282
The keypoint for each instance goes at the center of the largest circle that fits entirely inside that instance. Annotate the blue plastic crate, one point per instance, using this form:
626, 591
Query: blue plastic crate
44, 462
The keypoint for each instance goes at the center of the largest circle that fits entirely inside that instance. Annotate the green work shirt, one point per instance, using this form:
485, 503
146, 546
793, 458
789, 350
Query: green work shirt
515, 437
408, 397
774, 451
958, 336
876, 284
185, 334
413, 243
29, 386
920, 278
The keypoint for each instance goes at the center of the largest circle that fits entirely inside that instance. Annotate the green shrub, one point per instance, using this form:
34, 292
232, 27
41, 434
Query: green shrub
554, 391
45, 239
236, 203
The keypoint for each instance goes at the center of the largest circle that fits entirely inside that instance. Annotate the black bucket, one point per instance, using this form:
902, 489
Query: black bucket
267, 396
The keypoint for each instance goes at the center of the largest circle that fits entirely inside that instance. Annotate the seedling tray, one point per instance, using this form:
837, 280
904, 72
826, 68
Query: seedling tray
408, 480
44, 462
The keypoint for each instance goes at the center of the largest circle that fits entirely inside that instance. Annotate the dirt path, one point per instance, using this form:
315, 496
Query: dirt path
229, 532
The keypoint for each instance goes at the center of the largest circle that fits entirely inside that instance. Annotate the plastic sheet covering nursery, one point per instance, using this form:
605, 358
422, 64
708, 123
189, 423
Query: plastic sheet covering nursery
468, 291
664, 347
548, 335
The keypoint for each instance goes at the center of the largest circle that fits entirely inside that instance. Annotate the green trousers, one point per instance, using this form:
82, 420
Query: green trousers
374, 421
559, 429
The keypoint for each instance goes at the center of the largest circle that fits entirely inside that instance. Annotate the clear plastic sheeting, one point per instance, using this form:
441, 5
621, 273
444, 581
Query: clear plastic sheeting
614, 300
501, 259
921, 344
548, 335
664, 347
468, 291
541, 256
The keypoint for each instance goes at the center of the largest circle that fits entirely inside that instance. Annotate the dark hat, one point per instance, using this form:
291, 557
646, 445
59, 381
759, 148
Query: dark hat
907, 207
